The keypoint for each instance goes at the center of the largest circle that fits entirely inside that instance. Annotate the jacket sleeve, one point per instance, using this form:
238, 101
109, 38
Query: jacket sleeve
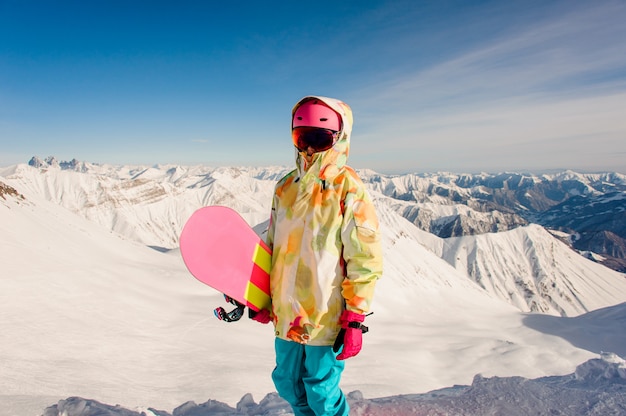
362, 252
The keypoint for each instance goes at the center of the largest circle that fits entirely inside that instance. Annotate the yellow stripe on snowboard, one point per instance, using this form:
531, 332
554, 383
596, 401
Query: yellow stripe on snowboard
262, 258
256, 296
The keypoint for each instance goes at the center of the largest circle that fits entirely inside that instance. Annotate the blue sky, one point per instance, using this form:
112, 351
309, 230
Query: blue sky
442, 85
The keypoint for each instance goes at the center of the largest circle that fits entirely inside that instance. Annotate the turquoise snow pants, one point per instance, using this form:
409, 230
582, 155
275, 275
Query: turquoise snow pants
307, 377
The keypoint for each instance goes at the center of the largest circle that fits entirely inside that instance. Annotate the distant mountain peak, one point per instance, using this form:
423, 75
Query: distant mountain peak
52, 162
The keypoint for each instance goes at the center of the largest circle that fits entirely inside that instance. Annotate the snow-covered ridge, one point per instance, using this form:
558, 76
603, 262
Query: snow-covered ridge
146, 204
7, 191
582, 393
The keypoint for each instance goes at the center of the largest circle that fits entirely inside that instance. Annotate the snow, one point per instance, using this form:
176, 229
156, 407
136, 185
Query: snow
92, 318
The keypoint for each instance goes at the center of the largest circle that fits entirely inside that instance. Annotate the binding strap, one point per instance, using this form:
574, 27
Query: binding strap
232, 316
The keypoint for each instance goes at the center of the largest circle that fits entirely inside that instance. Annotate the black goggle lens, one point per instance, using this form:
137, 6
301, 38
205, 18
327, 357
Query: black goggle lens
314, 137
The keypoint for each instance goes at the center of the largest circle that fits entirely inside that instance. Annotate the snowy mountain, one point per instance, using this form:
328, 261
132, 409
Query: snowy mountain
512, 261
88, 310
532, 270
589, 207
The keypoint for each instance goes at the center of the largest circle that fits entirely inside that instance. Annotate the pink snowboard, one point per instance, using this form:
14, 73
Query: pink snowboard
221, 250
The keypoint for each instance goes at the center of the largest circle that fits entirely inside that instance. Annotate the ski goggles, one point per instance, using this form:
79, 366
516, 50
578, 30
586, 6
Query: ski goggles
314, 137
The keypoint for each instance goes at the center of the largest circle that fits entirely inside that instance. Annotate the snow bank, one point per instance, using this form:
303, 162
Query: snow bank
598, 387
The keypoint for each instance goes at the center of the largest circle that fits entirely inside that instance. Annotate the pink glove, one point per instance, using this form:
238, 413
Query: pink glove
351, 334
263, 316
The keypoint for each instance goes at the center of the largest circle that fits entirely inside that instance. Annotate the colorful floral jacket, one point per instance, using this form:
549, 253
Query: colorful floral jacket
325, 240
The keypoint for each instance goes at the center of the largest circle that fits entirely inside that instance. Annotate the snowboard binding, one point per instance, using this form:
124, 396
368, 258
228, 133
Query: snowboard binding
232, 316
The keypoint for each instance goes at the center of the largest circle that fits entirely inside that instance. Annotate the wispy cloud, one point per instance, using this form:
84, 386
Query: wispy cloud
546, 83
578, 49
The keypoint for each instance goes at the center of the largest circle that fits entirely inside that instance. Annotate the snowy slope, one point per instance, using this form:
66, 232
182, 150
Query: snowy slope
88, 310
533, 271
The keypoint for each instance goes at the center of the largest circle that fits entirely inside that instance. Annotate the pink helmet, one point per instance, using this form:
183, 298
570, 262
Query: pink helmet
314, 113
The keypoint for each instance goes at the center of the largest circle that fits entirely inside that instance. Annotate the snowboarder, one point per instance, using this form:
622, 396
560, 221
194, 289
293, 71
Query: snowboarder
325, 263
